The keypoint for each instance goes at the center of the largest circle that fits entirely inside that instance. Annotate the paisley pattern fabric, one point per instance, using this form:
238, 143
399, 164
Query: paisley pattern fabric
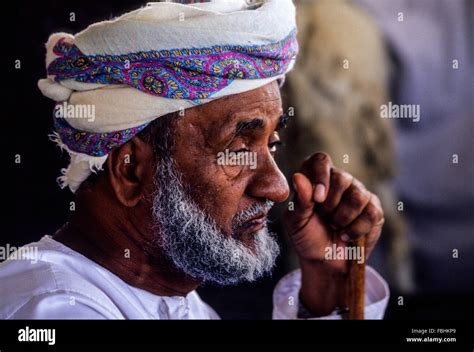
194, 73
90, 143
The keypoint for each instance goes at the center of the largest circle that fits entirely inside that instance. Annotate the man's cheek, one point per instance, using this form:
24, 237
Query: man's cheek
232, 172
224, 202
236, 163
217, 189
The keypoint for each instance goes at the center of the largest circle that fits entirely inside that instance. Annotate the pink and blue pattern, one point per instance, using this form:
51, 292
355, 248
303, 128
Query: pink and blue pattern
91, 143
194, 73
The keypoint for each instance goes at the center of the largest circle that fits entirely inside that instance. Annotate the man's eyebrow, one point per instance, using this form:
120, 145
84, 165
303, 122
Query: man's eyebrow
282, 122
257, 123
246, 125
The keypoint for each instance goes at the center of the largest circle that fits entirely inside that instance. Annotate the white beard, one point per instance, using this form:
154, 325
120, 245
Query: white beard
191, 239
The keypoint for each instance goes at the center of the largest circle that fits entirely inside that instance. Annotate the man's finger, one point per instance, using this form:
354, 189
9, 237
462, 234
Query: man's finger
363, 224
339, 183
373, 236
353, 202
318, 169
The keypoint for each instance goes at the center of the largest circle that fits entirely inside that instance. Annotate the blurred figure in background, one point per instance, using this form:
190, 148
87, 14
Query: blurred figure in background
431, 44
335, 93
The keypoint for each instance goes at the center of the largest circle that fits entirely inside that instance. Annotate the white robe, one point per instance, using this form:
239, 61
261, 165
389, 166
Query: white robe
56, 282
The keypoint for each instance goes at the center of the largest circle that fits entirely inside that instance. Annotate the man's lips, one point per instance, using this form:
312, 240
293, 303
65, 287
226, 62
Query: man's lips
254, 224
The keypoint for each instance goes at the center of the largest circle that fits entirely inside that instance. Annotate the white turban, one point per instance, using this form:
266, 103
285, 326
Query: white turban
159, 59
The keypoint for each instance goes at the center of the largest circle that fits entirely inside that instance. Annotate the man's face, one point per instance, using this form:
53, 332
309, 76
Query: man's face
212, 200
245, 123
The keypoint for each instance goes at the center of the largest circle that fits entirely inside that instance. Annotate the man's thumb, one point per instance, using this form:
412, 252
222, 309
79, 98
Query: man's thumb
303, 197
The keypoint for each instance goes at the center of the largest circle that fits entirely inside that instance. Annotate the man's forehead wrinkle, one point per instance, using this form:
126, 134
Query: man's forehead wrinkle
254, 111
248, 113
263, 95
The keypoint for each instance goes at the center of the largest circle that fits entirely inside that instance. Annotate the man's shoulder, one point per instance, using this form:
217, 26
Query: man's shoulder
42, 275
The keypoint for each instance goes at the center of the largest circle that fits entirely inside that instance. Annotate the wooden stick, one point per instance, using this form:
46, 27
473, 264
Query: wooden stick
356, 286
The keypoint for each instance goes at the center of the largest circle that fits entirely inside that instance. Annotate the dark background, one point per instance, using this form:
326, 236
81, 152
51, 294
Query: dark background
35, 205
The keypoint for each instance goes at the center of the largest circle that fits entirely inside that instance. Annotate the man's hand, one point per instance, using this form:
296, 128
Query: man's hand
331, 207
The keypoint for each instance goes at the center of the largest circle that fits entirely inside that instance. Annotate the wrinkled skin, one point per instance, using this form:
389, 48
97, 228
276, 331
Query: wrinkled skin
330, 205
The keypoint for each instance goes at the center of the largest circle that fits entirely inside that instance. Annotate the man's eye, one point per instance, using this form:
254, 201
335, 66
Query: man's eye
274, 146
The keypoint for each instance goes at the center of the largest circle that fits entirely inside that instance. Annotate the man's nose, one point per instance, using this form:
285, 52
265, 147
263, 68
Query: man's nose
268, 181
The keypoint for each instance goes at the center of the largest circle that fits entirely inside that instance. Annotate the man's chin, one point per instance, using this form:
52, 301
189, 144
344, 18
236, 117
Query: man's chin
248, 235
261, 252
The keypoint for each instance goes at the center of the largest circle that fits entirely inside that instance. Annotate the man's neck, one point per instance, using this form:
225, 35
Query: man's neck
117, 244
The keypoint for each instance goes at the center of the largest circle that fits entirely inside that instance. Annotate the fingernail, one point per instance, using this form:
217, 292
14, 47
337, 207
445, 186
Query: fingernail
319, 193
345, 237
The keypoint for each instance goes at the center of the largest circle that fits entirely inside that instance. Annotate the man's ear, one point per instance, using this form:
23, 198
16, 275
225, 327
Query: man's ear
130, 170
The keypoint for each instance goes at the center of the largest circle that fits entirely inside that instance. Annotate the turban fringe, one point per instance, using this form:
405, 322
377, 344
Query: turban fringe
131, 88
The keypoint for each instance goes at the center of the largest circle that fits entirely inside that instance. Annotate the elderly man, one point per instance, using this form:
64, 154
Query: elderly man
184, 128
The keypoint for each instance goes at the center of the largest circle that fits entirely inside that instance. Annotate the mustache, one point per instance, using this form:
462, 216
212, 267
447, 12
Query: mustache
251, 212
